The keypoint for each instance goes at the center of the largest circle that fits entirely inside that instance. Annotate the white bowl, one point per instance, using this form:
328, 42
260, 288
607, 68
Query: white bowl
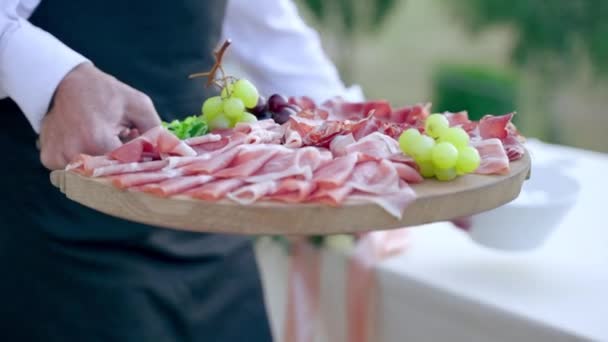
527, 222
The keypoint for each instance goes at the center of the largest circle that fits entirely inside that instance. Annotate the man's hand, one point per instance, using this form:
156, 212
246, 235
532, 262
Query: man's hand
90, 113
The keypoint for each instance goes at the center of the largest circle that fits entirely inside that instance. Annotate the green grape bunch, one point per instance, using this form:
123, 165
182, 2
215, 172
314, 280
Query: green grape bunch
442, 152
237, 97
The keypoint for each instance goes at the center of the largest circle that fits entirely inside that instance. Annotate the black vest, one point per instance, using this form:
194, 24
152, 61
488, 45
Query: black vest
152, 45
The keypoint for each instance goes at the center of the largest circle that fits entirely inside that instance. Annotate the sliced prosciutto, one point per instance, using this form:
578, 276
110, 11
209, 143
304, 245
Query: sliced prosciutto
250, 193
116, 169
302, 162
374, 146
176, 185
141, 178
157, 140
494, 159
249, 159
215, 190
393, 203
336, 172
375, 177
86, 164
292, 190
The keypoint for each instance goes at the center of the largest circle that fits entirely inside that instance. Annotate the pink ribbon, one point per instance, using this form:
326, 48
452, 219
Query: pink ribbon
303, 292
303, 313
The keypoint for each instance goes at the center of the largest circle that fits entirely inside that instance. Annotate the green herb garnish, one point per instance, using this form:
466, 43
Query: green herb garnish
192, 126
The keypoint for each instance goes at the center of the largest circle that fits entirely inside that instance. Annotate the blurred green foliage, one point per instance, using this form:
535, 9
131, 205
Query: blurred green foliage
353, 16
477, 89
346, 20
549, 33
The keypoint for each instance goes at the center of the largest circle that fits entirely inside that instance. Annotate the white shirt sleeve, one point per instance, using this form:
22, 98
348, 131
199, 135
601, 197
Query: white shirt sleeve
273, 46
32, 62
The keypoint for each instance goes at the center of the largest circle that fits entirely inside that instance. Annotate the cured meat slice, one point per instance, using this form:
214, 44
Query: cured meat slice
293, 139
339, 144
215, 190
304, 102
458, 119
375, 146
249, 159
213, 162
375, 177
264, 137
178, 162
393, 203
336, 172
301, 162
176, 185
494, 159
514, 149
342, 110
292, 190
407, 173
115, 169
250, 193
141, 178
261, 125
132, 151
494, 126
331, 196
411, 115
85, 163
203, 139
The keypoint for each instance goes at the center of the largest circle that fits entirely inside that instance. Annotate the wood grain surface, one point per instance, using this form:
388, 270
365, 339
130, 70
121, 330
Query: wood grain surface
436, 201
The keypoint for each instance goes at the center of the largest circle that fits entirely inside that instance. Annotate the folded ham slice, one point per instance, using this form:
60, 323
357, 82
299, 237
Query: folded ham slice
250, 193
292, 190
494, 159
158, 140
301, 162
393, 203
176, 185
116, 169
215, 190
142, 178
336, 172
249, 159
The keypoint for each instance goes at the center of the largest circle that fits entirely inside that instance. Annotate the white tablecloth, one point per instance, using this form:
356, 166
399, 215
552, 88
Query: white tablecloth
445, 286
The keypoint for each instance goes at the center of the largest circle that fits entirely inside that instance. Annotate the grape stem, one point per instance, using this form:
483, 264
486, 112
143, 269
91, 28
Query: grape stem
219, 54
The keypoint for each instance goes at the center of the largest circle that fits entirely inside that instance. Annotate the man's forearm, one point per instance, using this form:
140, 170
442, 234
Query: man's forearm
32, 63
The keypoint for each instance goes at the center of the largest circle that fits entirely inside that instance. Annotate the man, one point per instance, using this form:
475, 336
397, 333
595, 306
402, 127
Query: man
77, 74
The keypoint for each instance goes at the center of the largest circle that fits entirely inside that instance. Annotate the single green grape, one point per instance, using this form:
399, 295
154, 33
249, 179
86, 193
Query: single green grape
248, 117
444, 155
445, 174
427, 170
247, 92
468, 160
219, 122
407, 139
455, 135
233, 107
212, 107
435, 125
421, 148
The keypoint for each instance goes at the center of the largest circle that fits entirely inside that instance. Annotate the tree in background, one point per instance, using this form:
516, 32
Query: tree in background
550, 35
552, 39
346, 20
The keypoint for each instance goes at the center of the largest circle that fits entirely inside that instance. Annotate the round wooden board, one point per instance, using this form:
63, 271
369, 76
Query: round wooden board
436, 201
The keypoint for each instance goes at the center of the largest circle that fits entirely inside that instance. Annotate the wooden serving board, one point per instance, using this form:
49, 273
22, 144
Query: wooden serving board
436, 201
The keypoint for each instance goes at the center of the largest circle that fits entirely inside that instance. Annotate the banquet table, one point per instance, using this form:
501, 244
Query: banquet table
445, 286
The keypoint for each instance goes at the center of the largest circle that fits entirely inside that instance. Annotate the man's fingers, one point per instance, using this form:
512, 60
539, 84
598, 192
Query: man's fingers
141, 113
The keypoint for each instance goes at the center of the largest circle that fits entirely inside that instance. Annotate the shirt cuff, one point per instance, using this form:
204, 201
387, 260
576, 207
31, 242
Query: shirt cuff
32, 64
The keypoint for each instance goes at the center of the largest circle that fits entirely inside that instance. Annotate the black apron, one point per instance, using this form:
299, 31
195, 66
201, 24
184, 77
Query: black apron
73, 274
